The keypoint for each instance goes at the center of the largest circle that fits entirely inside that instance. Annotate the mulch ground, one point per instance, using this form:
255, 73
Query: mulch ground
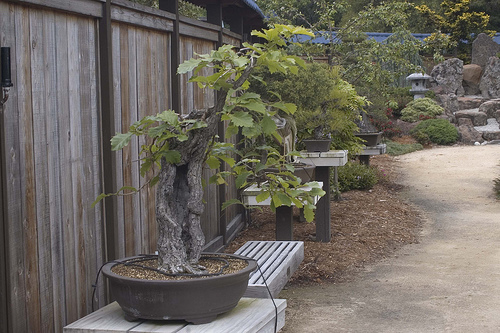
366, 226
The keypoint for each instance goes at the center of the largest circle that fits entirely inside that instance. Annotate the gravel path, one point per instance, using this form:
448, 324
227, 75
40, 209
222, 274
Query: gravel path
449, 282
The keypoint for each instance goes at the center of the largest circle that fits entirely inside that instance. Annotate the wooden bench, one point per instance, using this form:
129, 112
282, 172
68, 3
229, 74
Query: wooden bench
249, 316
277, 260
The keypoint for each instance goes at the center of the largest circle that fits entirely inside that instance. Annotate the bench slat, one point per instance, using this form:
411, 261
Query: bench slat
277, 260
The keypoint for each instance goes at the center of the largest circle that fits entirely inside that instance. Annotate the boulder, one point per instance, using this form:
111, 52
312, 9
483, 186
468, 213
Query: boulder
469, 135
497, 115
471, 78
483, 48
465, 121
449, 76
477, 118
449, 102
491, 136
467, 103
490, 107
490, 82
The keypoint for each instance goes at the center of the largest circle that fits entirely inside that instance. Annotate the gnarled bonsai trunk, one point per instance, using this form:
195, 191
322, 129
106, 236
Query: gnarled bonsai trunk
179, 197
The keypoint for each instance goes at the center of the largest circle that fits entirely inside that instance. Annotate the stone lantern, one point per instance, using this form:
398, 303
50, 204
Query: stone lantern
418, 84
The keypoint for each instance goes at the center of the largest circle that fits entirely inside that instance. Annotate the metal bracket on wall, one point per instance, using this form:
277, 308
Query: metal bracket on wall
6, 82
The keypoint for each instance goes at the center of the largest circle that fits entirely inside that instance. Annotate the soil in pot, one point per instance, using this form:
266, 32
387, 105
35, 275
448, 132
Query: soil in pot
147, 294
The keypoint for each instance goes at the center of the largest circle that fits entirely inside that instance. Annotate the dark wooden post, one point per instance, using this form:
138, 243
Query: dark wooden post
284, 223
323, 206
108, 128
172, 6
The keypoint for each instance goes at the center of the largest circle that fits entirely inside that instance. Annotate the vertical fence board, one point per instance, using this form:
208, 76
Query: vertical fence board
25, 47
128, 214
66, 175
139, 241
76, 163
55, 228
86, 47
119, 229
11, 26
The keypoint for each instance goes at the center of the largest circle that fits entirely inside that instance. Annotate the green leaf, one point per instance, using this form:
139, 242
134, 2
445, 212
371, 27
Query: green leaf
268, 125
309, 212
242, 119
188, 65
169, 117
171, 156
120, 140
99, 198
258, 106
145, 166
229, 160
251, 132
231, 202
154, 181
157, 131
241, 179
213, 162
262, 196
230, 131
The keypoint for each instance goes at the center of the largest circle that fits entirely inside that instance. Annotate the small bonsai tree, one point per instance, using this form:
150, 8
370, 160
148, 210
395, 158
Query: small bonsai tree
181, 145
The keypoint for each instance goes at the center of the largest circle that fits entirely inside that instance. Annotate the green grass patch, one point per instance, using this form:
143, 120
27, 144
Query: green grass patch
395, 148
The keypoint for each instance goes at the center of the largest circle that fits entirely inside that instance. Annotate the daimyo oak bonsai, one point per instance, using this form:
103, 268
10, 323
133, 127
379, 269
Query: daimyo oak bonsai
180, 145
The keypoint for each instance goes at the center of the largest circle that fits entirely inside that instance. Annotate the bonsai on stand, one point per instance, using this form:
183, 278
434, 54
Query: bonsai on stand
180, 146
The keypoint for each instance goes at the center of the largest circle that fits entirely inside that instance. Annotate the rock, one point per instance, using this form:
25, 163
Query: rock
465, 121
483, 48
469, 135
449, 102
471, 78
449, 75
477, 118
490, 136
490, 82
497, 115
490, 107
467, 103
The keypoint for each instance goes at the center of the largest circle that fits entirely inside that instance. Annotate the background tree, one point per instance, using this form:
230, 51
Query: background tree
457, 19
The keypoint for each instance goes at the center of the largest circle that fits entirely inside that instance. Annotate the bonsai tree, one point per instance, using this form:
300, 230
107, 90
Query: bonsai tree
181, 145
327, 106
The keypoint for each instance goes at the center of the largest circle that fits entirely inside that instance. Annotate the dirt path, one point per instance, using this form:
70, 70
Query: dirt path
450, 281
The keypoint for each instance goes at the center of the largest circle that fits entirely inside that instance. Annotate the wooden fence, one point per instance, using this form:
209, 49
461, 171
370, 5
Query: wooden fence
83, 70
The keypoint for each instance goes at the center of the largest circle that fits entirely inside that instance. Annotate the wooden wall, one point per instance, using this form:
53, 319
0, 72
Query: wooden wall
54, 239
52, 243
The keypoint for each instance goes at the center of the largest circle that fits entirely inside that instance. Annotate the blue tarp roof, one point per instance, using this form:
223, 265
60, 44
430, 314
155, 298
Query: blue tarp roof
322, 37
254, 6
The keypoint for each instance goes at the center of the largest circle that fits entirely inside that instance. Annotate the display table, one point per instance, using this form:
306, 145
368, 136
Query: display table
284, 214
323, 161
250, 315
379, 149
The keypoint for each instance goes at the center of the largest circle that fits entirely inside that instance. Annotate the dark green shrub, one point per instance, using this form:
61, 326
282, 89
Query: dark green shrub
356, 176
438, 131
396, 149
421, 109
496, 187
